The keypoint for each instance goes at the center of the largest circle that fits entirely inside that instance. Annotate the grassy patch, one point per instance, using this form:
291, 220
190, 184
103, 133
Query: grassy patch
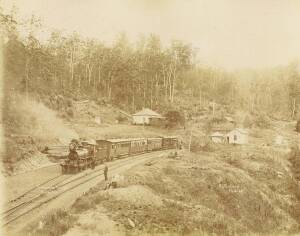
54, 224
87, 202
82, 204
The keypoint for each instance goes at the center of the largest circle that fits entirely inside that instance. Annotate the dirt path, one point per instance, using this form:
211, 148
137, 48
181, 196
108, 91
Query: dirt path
67, 199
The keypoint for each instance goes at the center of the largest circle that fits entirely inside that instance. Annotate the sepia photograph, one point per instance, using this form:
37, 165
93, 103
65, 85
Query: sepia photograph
150, 117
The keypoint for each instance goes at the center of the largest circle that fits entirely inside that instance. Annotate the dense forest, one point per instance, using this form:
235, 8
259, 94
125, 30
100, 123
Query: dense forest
134, 75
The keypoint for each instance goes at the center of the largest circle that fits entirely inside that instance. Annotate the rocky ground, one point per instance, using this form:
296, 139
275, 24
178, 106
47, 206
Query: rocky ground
195, 194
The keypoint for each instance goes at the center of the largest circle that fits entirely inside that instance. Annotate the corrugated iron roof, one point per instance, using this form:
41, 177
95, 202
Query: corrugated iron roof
147, 112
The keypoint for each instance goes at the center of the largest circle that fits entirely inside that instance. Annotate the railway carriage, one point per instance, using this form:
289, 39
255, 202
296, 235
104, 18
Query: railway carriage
103, 147
101, 155
170, 142
87, 154
115, 148
119, 148
138, 145
154, 144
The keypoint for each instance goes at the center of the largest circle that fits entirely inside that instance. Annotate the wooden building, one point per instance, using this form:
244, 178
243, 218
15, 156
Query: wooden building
237, 136
234, 136
146, 117
217, 137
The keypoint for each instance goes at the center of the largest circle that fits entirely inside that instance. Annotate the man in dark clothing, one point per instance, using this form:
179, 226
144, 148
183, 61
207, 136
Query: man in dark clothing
105, 172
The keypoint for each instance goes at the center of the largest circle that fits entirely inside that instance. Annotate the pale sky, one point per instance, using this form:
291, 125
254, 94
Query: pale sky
227, 33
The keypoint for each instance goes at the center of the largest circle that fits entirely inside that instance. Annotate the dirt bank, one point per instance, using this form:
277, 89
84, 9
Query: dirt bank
196, 194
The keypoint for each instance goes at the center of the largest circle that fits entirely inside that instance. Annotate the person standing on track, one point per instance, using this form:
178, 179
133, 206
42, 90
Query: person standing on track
105, 172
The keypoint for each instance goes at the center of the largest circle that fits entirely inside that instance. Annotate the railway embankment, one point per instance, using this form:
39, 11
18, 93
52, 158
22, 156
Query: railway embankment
208, 193
60, 193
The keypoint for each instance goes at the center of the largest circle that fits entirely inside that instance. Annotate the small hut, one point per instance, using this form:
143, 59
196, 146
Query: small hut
146, 116
217, 137
237, 136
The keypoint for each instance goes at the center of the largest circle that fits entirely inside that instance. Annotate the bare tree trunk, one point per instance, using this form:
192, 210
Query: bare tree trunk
89, 70
151, 95
27, 79
61, 82
86, 73
99, 75
144, 97
139, 90
107, 84
251, 103
232, 94
172, 94
190, 142
79, 84
294, 108
170, 84
173, 85
156, 89
95, 84
270, 98
200, 98
72, 66
133, 101
110, 88
165, 84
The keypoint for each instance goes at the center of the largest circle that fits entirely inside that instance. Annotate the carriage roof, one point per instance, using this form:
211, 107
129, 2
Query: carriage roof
120, 140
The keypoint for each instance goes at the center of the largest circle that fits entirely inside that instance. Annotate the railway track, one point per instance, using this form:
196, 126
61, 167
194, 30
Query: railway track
31, 190
57, 186
33, 193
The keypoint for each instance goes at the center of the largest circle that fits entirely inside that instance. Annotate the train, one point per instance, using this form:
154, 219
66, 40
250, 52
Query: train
88, 153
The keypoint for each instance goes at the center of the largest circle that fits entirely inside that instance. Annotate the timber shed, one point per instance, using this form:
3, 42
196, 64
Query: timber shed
144, 117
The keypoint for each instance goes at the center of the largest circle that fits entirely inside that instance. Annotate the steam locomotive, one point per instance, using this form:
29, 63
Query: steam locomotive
88, 154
